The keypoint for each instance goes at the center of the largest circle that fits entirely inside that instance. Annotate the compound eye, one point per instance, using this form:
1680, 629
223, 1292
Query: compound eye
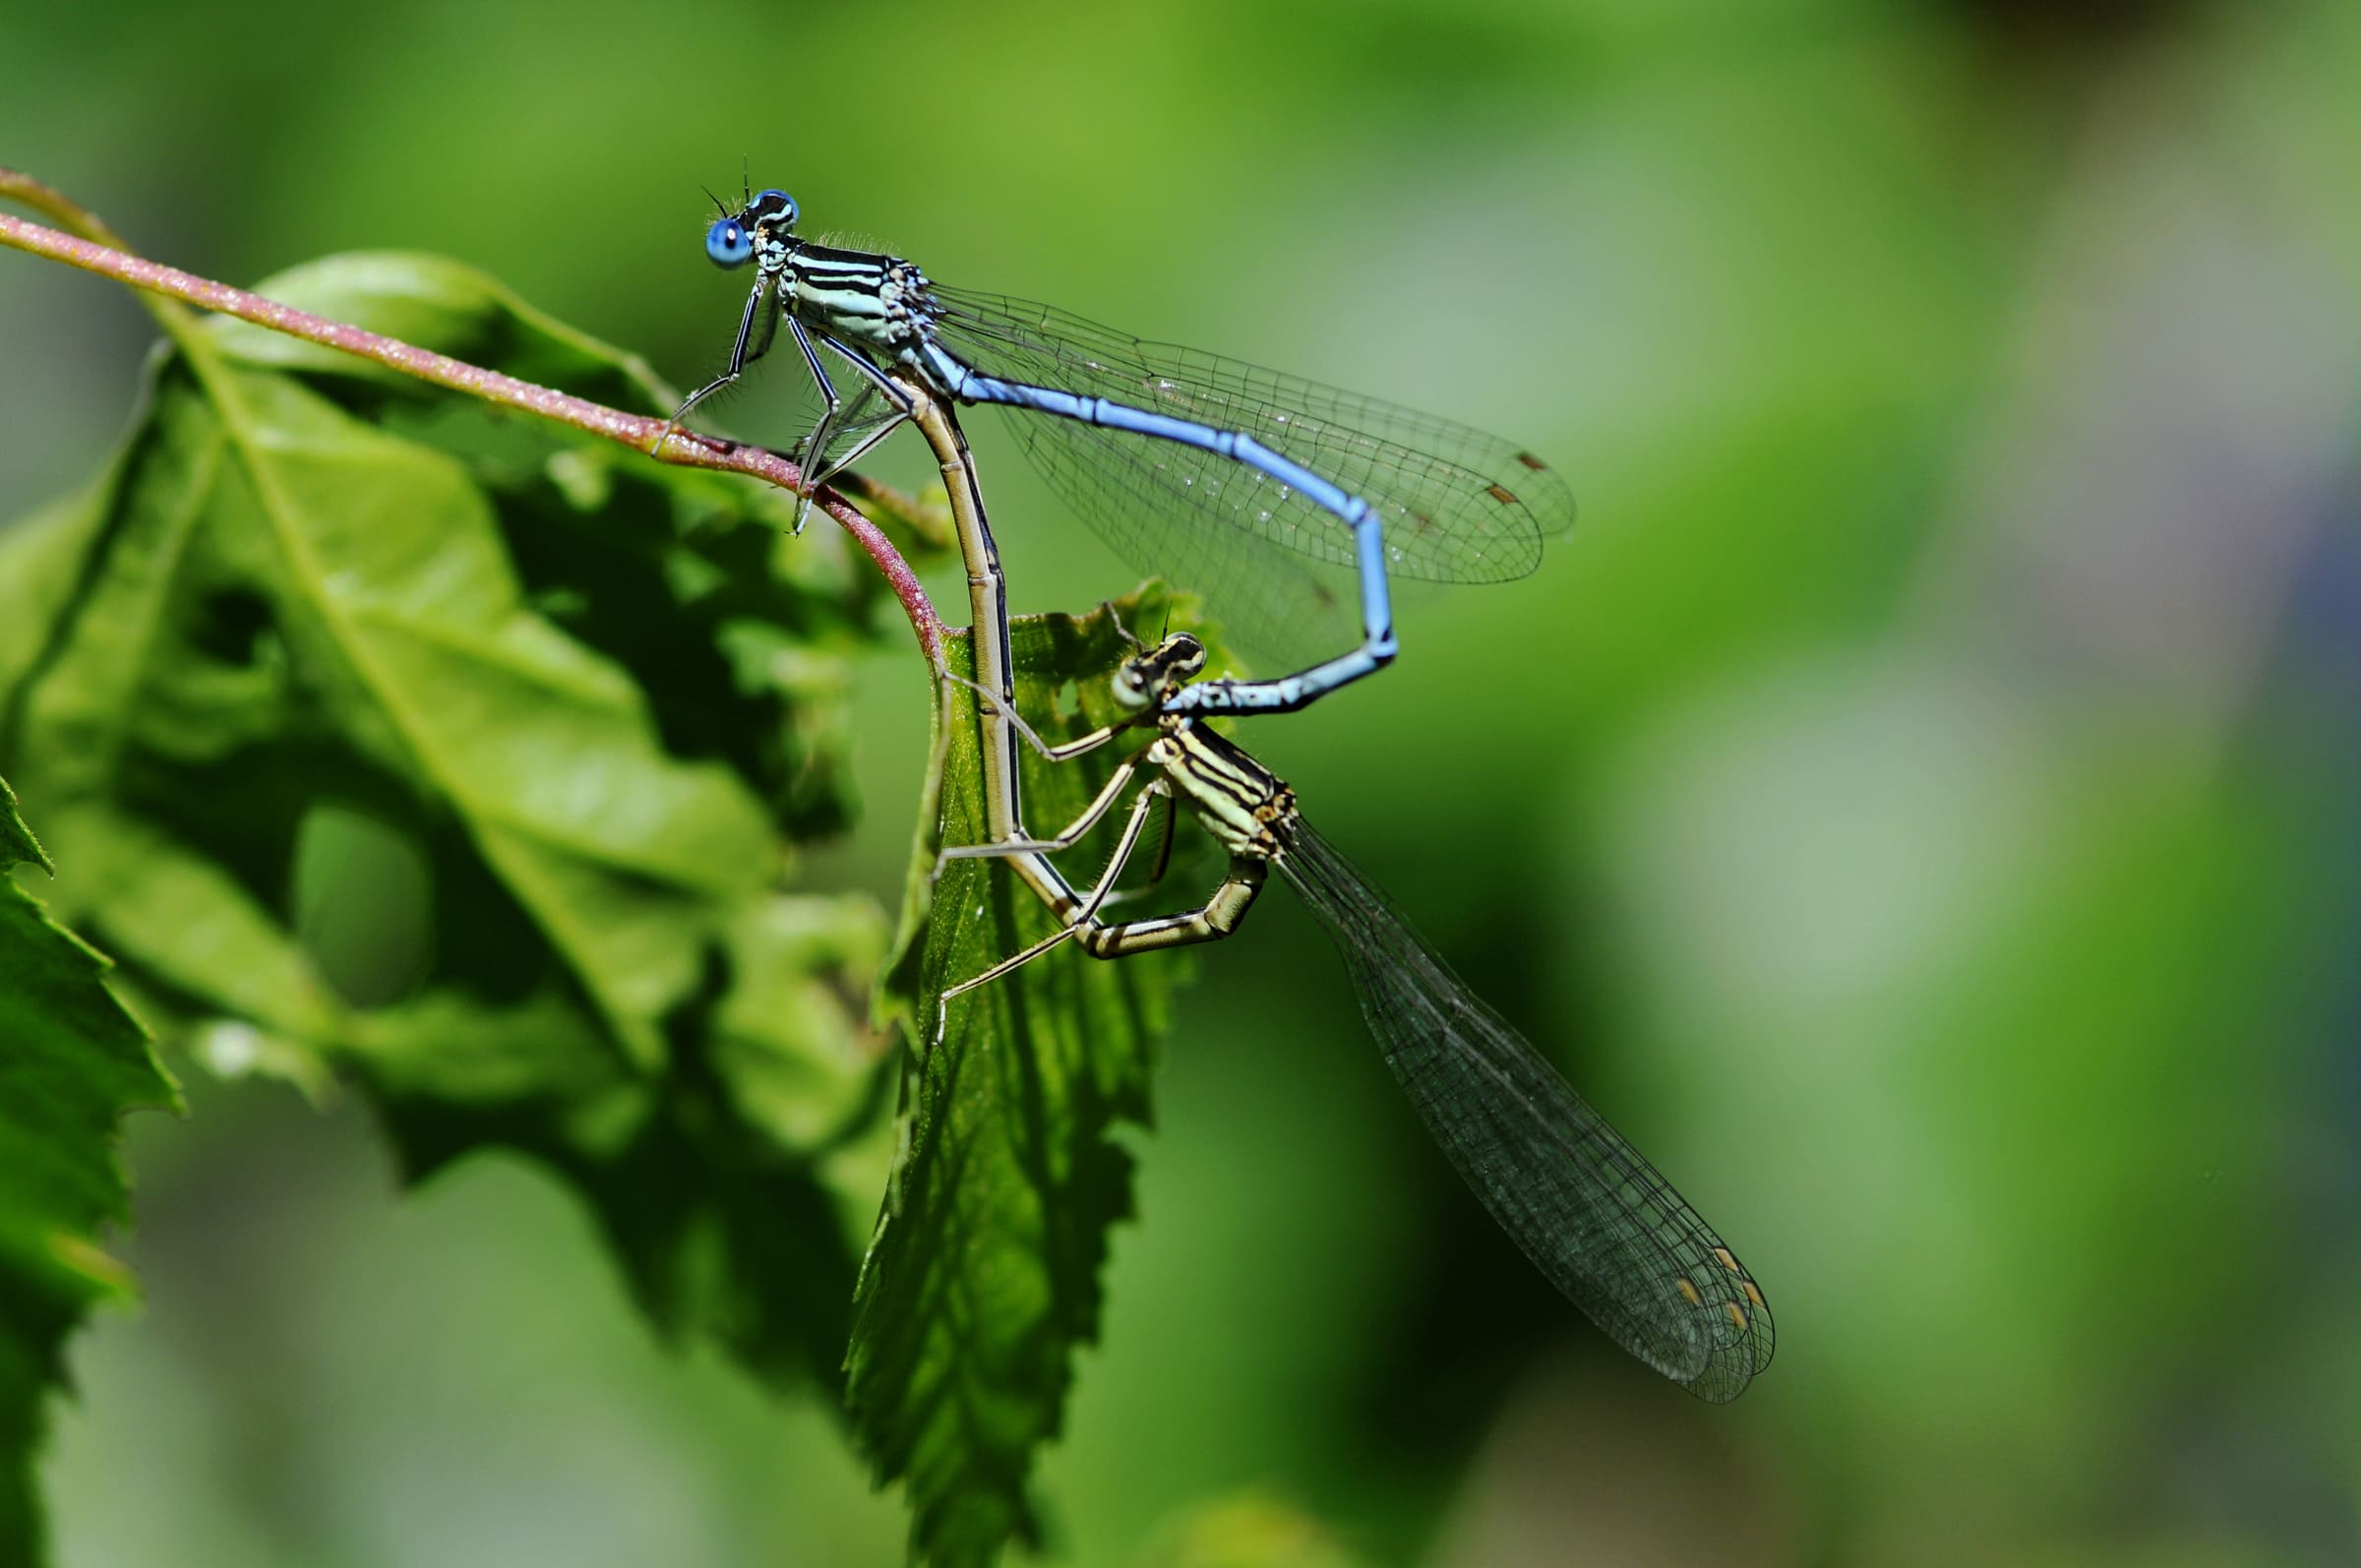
777, 206
728, 243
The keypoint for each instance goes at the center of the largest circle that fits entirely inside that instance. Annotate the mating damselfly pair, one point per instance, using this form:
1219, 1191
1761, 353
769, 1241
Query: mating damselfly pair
1225, 479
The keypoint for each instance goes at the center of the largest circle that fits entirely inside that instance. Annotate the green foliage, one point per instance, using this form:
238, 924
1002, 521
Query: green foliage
467, 758
469, 755
1247, 1531
72, 1061
983, 1275
1918, 801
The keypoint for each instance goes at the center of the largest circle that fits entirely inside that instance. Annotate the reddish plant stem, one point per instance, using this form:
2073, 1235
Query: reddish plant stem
640, 432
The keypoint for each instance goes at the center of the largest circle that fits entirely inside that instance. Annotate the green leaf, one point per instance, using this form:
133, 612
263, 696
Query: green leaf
470, 755
72, 1061
1248, 1530
982, 1276
435, 303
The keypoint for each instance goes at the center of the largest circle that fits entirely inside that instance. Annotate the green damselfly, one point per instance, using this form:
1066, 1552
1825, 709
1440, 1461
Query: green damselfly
1588, 1210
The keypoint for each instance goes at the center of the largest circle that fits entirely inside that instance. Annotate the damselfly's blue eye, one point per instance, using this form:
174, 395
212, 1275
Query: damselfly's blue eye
775, 208
727, 244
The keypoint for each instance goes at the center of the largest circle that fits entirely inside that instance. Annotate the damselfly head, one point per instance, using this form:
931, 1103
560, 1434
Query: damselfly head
1162, 670
729, 242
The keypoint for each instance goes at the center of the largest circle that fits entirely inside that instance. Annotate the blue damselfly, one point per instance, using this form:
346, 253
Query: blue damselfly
1183, 460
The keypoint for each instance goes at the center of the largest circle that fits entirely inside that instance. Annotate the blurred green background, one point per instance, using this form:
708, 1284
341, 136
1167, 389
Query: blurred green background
1916, 803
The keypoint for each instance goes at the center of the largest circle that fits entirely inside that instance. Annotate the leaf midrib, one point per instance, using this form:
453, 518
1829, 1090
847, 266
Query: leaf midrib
639, 1042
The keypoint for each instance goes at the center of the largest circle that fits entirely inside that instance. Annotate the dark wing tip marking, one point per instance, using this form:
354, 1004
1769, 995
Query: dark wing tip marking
1503, 494
1532, 462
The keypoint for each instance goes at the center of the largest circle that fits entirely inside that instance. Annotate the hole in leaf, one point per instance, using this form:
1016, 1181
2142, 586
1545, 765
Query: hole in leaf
230, 624
362, 896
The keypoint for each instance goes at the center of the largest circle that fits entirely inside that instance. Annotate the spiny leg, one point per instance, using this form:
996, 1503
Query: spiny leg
1072, 834
1064, 753
744, 352
807, 452
817, 467
1211, 920
1085, 913
1216, 918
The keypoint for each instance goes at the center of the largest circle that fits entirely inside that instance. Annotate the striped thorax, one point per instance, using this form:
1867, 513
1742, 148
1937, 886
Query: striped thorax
878, 301
1245, 806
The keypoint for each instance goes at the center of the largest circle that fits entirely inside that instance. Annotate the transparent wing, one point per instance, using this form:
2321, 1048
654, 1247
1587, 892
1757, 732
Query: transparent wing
1456, 505
866, 411
1584, 1205
1275, 604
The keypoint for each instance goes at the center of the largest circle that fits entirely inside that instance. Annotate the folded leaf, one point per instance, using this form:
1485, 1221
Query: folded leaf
982, 1276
